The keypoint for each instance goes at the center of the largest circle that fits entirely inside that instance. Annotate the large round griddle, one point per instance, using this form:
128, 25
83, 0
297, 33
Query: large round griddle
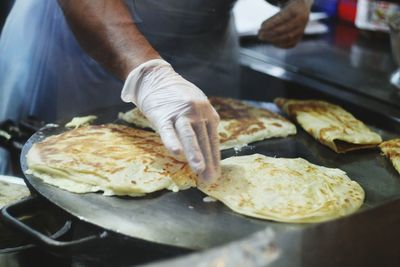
184, 220
179, 219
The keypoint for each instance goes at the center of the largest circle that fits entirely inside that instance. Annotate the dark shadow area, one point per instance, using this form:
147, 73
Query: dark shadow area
5, 7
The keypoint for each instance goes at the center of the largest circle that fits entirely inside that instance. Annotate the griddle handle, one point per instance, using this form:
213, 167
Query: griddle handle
12, 212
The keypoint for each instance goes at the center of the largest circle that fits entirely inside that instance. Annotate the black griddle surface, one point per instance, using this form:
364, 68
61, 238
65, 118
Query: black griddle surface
183, 219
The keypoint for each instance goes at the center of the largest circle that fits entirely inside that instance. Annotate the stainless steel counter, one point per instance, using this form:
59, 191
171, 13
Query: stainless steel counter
345, 64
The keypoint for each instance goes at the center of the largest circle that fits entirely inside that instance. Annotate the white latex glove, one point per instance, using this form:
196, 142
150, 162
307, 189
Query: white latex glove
179, 111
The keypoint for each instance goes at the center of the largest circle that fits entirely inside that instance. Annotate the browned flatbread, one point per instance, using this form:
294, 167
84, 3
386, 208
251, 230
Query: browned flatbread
285, 190
240, 124
330, 124
114, 159
391, 149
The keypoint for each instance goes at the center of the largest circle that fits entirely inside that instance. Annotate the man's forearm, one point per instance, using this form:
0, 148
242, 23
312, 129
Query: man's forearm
106, 31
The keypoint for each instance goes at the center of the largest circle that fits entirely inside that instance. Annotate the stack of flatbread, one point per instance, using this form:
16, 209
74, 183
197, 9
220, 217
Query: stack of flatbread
286, 190
240, 124
330, 124
391, 149
114, 159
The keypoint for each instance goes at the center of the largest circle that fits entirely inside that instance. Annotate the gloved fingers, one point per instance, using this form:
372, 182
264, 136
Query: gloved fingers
212, 129
190, 144
170, 138
203, 139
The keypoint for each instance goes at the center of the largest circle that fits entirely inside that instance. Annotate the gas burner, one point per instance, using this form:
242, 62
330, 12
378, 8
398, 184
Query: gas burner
13, 136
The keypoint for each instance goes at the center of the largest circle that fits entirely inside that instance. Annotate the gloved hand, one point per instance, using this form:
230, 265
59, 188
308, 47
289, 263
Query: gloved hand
286, 28
179, 111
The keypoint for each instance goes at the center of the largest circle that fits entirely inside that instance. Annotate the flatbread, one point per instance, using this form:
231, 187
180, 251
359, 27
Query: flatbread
114, 159
284, 190
330, 124
391, 149
77, 122
10, 193
240, 124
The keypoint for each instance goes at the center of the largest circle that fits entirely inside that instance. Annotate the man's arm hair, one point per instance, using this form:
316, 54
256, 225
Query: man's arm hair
106, 31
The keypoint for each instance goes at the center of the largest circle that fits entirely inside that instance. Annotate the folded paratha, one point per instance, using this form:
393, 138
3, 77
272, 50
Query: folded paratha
330, 124
391, 149
285, 190
114, 159
240, 124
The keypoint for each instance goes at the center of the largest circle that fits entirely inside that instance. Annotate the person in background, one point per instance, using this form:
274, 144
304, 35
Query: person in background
67, 57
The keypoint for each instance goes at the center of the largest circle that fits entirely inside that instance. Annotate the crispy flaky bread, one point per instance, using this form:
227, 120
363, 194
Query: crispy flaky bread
330, 124
285, 190
240, 124
114, 159
391, 149
10, 193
